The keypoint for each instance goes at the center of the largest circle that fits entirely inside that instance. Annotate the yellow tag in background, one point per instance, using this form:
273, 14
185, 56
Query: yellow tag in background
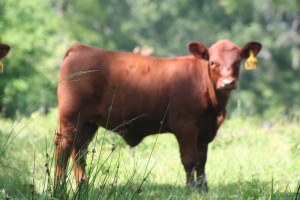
251, 62
1, 67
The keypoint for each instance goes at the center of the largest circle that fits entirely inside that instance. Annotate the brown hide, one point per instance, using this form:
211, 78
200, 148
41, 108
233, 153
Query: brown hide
133, 93
4, 49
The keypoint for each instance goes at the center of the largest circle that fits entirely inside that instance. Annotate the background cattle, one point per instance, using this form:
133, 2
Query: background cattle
187, 94
4, 49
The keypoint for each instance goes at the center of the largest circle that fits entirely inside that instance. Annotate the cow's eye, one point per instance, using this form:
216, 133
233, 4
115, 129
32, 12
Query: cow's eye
213, 64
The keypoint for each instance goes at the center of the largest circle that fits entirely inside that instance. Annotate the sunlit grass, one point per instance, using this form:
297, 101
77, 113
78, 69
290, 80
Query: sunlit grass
247, 160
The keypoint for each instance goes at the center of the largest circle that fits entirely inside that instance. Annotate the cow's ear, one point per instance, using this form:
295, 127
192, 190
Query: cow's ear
254, 46
4, 49
199, 50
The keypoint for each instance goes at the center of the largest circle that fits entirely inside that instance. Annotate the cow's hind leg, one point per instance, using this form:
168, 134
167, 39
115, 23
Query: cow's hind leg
64, 141
79, 152
63, 146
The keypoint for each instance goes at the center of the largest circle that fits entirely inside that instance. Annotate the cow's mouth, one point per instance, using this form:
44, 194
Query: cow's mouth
227, 84
229, 87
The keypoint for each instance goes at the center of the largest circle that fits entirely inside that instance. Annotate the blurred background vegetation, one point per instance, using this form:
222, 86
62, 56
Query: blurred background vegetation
39, 33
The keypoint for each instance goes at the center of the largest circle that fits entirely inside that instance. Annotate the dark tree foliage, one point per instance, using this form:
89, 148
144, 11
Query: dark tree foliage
41, 31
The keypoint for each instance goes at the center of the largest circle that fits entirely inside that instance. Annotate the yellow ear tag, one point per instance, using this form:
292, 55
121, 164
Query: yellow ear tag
251, 62
1, 67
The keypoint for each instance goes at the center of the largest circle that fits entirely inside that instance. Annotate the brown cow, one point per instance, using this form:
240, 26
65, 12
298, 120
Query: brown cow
4, 49
191, 92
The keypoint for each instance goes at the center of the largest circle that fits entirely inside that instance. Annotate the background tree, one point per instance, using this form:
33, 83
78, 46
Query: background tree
41, 31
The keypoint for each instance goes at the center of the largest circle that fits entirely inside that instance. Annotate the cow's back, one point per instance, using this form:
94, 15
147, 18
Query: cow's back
92, 80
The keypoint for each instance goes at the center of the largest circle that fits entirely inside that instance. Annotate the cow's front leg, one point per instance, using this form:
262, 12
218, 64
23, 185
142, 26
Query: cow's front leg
200, 168
188, 150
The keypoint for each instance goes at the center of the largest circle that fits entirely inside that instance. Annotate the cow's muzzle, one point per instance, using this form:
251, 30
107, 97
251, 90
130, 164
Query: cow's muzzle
227, 84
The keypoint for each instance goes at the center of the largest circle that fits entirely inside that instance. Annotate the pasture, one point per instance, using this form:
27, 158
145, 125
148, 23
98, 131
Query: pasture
249, 159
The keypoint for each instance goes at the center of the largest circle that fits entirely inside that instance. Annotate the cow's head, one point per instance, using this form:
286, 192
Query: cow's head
224, 58
4, 49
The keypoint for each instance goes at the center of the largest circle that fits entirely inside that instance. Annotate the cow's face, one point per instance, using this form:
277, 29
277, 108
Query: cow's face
4, 49
224, 59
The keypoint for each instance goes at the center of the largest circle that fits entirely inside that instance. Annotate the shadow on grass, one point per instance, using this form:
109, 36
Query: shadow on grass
134, 191
253, 189
239, 190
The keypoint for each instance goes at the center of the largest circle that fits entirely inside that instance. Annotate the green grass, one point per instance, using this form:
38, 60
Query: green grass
249, 159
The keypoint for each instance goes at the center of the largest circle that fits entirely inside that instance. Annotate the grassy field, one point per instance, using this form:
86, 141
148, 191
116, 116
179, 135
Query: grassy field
249, 159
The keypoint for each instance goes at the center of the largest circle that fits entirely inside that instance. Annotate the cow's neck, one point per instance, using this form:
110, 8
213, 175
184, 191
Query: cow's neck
217, 98
222, 99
